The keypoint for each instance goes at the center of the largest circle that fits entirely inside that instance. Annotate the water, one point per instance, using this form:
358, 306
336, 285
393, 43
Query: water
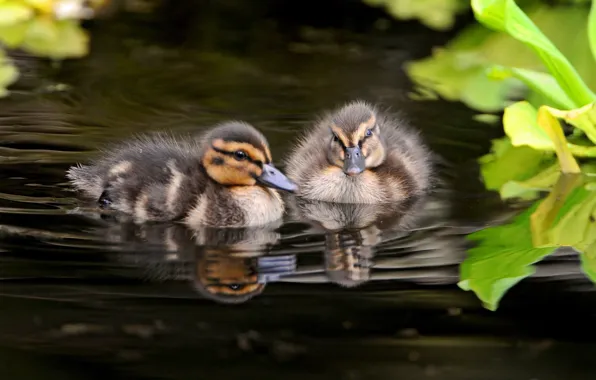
349, 292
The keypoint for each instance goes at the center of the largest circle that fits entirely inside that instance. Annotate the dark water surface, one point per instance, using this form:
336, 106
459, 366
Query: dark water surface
333, 292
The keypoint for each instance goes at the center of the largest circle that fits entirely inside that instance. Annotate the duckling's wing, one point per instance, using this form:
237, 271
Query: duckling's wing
139, 162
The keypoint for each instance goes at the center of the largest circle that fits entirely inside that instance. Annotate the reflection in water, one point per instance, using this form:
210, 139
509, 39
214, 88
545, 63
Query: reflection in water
351, 233
363, 242
233, 265
227, 265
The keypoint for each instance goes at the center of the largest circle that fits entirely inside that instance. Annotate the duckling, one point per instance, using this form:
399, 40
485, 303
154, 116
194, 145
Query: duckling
223, 178
358, 154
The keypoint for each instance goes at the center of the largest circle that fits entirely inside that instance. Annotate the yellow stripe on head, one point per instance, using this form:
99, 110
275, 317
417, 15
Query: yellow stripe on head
361, 131
340, 135
254, 153
267, 153
228, 171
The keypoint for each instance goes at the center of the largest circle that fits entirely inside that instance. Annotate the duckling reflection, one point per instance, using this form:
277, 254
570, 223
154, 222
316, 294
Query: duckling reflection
352, 231
223, 265
239, 270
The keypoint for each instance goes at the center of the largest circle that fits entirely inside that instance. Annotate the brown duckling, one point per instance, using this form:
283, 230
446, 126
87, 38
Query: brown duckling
224, 178
358, 154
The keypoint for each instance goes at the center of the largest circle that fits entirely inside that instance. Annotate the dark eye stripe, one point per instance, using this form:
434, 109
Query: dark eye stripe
337, 139
259, 163
231, 154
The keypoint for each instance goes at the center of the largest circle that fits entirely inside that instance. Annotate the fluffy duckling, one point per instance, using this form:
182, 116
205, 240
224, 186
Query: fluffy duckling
221, 179
358, 154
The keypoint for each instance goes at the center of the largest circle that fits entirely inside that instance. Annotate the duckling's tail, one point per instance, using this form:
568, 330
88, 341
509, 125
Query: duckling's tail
84, 178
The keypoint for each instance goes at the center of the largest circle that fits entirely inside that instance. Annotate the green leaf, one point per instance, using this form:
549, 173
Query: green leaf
13, 12
476, 49
8, 74
542, 220
13, 35
74, 40
506, 16
530, 188
520, 124
542, 83
541, 130
436, 14
56, 39
502, 258
504, 254
592, 29
583, 118
509, 163
573, 225
456, 75
41, 35
549, 123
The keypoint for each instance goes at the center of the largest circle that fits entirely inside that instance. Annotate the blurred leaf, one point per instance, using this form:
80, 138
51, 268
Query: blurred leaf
13, 12
13, 35
56, 39
8, 74
540, 82
592, 29
45, 6
508, 163
506, 16
458, 76
436, 14
476, 49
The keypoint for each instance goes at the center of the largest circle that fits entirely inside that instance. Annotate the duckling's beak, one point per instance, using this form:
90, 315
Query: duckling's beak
354, 162
271, 177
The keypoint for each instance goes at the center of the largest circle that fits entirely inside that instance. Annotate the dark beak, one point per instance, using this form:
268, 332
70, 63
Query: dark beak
272, 177
354, 161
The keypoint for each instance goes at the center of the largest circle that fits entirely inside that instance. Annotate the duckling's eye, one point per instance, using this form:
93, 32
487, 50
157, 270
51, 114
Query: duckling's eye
369, 132
335, 138
240, 155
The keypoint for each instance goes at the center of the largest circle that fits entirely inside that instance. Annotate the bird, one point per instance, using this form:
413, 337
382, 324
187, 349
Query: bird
359, 154
221, 178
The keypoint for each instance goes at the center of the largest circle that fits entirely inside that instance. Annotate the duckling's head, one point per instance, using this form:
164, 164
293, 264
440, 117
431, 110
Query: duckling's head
355, 140
236, 154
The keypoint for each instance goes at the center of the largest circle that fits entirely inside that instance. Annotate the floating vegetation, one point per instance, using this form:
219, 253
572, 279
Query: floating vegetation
504, 254
537, 155
44, 28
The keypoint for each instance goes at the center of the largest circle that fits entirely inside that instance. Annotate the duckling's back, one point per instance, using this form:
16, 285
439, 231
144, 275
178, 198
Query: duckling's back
154, 177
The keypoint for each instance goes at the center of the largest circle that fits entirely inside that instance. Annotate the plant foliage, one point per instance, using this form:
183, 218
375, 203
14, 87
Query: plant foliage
44, 28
